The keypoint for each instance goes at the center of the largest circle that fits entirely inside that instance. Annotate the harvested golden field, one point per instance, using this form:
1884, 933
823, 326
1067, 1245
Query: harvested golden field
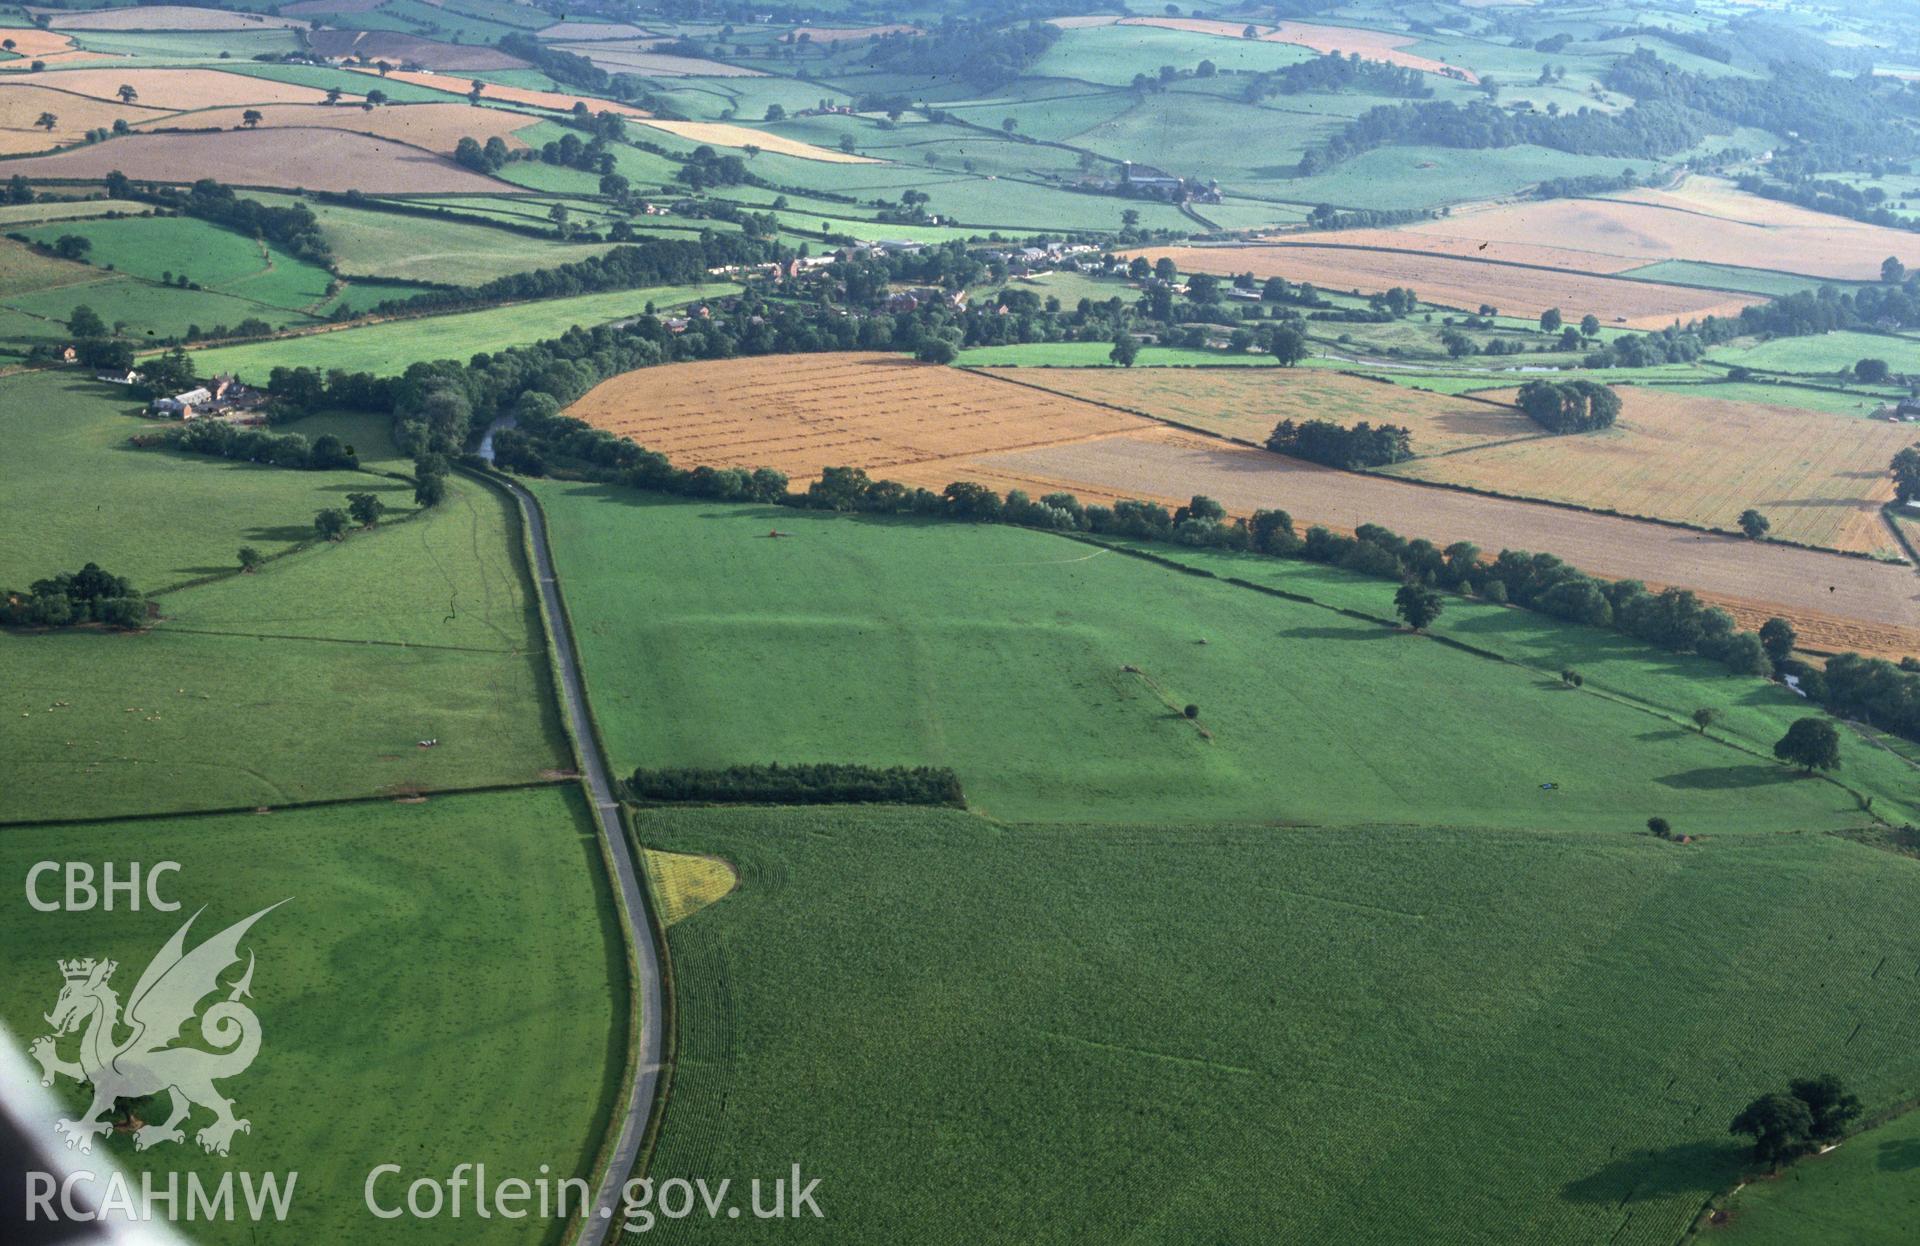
1464, 283
436, 127
1821, 479
1708, 221
1494, 251
638, 57
375, 45
31, 44
802, 413
1373, 45
22, 103
1245, 403
925, 425
339, 160
169, 17
179, 89
724, 134
453, 85
1835, 602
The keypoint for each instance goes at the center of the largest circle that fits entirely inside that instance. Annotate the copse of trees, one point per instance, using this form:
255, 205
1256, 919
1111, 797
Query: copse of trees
326, 453
1814, 1112
814, 784
985, 54
1334, 72
1351, 447
1569, 406
70, 599
1646, 130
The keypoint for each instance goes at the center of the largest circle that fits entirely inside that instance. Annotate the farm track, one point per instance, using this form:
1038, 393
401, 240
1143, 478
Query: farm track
646, 1058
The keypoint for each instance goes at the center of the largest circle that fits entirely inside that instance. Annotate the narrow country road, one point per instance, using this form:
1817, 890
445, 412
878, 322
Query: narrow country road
646, 1075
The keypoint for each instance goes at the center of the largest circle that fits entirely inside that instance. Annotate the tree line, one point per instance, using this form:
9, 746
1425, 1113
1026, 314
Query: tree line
72, 598
819, 783
1646, 130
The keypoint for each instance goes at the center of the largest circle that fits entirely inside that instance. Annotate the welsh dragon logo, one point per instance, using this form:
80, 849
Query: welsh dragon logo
144, 1061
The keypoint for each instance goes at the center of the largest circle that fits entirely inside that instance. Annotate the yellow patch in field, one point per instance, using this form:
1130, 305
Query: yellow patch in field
686, 883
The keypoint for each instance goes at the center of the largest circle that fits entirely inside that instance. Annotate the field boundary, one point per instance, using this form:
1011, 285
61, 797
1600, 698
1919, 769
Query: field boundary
292, 806
1451, 642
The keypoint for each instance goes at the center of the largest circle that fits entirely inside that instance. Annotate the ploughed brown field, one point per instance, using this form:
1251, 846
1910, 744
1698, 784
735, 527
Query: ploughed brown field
436, 127
322, 160
1820, 479
927, 425
1454, 281
168, 17
1245, 403
1705, 219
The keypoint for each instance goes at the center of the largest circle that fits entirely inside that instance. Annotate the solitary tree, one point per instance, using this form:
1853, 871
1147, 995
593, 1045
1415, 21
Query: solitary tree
473, 91
1831, 1107
47, 121
1754, 524
1125, 349
1777, 638
249, 558
1289, 346
1781, 1127
330, 524
1811, 744
1892, 271
430, 490
127, 94
366, 508
1550, 320
1872, 371
1590, 325
251, 118
1660, 827
1705, 717
334, 94
83, 321
1417, 604
1192, 711
1905, 469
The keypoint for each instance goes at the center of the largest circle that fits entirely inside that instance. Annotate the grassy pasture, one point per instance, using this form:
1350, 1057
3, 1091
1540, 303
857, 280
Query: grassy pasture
468, 933
1727, 277
449, 251
388, 348
1823, 353
151, 312
1114, 54
156, 517
981, 648
1859, 1195
1478, 1038
218, 259
311, 679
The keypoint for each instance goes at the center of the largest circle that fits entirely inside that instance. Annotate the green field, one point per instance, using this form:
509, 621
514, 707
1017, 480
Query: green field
387, 348
214, 258
157, 517
1822, 353
442, 986
1726, 277
983, 648
1114, 54
314, 678
1781, 396
436, 249
1301, 1035
1863, 1194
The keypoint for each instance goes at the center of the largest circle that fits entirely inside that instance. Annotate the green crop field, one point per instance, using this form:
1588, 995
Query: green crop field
1422, 177
1377, 1035
440, 986
216, 259
1726, 277
371, 243
331, 664
1822, 353
387, 348
1860, 1195
1803, 396
157, 517
1035, 635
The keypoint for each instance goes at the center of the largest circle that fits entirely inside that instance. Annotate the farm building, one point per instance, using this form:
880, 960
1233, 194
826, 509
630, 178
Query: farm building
182, 406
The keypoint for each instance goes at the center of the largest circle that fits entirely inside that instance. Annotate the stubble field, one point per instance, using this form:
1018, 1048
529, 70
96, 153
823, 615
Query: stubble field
1453, 281
1820, 479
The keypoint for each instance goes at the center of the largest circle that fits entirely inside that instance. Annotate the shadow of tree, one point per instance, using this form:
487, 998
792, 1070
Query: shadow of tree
1726, 778
1692, 1168
1899, 1155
